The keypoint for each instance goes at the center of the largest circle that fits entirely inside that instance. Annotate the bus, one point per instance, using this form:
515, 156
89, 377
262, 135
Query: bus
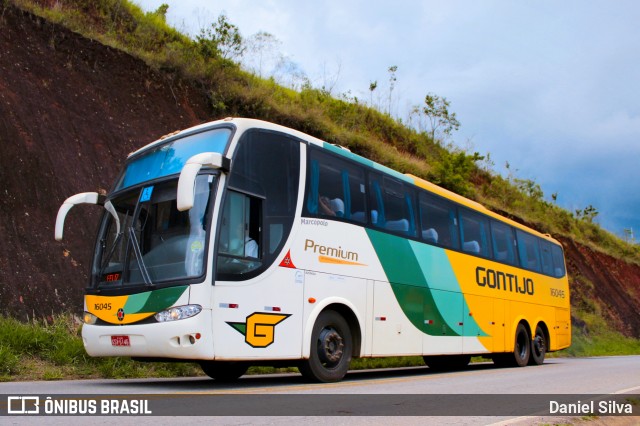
241, 242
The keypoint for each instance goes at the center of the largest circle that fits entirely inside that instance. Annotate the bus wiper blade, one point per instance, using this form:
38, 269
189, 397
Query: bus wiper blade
112, 250
136, 250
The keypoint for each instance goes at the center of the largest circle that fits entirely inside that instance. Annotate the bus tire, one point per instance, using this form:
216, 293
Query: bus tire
331, 349
521, 351
522, 347
447, 362
222, 371
538, 347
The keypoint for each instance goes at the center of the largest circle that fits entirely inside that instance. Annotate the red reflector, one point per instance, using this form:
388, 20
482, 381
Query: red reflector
198, 336
233, 305
276, 309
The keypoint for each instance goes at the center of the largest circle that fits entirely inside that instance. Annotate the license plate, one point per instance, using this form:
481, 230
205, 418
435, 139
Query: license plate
120, 341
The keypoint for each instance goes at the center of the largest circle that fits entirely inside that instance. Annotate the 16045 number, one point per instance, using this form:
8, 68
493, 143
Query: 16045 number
102, 306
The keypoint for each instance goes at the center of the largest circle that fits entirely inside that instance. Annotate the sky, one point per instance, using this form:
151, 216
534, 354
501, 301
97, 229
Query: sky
550, 87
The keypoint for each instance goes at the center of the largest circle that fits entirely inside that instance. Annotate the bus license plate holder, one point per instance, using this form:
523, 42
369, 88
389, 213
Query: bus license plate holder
120, 341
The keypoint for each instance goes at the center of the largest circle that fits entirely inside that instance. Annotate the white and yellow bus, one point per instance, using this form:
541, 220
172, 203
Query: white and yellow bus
241, 242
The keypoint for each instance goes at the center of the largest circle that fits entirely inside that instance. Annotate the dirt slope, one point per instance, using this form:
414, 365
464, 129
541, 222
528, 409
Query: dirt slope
609, 283
71, 110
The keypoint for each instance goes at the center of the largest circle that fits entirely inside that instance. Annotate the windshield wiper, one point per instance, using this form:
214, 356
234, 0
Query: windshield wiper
112, 250
136, 251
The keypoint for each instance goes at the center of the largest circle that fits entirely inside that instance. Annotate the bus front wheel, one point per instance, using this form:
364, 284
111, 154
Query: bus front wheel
331, 349
224, 371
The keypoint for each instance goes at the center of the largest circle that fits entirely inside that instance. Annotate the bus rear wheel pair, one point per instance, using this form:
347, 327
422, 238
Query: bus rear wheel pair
527, 351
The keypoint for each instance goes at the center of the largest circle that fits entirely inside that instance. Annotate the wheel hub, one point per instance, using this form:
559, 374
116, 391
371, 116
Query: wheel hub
538, 345
331, 346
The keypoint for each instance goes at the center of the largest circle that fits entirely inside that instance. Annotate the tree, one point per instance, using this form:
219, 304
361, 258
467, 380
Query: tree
392, 84
222, 39
530, 188
441, 121
372, 87
263, 49
289, 73
454, 170
587, 214
162, 11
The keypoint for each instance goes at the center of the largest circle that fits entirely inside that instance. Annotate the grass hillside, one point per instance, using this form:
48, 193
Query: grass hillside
366, 131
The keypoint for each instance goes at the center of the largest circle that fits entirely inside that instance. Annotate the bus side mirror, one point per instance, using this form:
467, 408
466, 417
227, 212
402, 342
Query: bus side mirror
186, 182
83, 198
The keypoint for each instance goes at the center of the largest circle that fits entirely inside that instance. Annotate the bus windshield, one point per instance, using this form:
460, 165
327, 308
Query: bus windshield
169, 158
156, 243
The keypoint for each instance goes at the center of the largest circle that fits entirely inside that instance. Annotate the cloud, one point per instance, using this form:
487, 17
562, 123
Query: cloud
549, 86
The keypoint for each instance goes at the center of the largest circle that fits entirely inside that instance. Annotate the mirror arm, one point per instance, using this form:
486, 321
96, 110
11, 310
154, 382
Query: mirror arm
83, 198
186, 182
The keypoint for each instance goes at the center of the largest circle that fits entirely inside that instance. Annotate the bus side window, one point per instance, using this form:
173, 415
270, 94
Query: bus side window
439, 223
265, 172
558, 261
239, 244
474, 229
503, 243
392, 205
335, 188
528, 251
547, 260
240, 226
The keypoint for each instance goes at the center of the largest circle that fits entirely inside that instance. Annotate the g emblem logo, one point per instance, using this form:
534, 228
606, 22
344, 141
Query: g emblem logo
260, 329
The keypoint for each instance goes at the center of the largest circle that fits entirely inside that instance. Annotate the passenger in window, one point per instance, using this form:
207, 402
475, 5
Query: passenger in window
329, 207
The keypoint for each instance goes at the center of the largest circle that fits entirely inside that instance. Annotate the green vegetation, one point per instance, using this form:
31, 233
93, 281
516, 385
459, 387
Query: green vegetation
592, 336
419, 149
55, 350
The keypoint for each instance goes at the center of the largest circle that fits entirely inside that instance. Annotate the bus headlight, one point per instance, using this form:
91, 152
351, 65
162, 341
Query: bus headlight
89, 318
178, 313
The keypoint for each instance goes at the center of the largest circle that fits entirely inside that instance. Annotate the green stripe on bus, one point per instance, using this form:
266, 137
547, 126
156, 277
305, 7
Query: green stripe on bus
154, 301
424, 284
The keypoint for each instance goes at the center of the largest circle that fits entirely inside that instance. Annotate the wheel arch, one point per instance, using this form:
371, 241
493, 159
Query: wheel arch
347, 311
545, 330
512, 334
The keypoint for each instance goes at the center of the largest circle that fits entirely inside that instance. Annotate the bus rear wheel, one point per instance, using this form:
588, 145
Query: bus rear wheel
538, 347
331, 349
521, 352
223, 371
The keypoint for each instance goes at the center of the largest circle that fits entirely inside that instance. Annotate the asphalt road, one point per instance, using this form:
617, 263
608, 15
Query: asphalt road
479, 395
